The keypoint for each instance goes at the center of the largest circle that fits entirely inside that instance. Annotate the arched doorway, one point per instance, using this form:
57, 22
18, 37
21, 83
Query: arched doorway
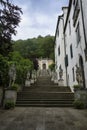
44, 66
82, 69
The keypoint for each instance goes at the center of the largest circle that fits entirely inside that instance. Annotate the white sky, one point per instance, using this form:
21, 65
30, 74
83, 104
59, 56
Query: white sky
39, 17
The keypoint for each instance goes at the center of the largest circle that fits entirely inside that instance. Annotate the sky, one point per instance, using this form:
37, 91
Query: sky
39, 17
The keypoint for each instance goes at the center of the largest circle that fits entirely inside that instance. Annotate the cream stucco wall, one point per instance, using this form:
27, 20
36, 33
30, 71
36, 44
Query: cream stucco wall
45, 61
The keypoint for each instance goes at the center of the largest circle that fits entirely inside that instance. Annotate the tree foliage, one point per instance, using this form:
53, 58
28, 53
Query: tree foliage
22, 66
9, 20
52, 66
3, 71
36, 47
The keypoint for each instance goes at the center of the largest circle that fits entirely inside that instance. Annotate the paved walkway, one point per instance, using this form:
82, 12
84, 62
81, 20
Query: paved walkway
43, 119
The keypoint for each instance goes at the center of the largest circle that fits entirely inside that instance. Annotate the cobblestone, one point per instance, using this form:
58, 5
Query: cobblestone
42, 118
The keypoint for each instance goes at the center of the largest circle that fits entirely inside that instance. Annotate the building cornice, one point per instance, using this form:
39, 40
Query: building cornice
64, 7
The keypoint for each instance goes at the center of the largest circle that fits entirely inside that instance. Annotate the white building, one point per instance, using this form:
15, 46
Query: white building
44, 63
72, 42
60, 47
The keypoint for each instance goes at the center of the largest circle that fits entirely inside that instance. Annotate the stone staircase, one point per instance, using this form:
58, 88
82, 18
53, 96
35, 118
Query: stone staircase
46, 94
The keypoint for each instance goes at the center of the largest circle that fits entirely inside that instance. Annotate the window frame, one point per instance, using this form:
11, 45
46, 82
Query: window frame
59, 51
78, 36
69, 27
73, 74
71, 51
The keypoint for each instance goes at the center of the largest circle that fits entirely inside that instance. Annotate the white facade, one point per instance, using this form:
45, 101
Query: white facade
59, 48
44, 63
75, 42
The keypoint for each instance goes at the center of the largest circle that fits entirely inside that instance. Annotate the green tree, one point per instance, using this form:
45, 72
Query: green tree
4, 71
9, 20
22, 69
52, 66
4, 79
36, 47
48, 46
22, 66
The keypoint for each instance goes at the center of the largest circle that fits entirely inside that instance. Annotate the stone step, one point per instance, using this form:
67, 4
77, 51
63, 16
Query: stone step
40, 83
47, 88
44, 101
43, 79
44, 105
45, 95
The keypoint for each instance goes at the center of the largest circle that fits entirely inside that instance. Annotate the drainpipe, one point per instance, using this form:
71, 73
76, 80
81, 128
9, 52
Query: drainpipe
64, 49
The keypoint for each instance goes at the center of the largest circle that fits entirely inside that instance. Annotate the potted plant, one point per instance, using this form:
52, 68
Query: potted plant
14, 87
79, 104
76, 87
80, 95
9, 104
11, 95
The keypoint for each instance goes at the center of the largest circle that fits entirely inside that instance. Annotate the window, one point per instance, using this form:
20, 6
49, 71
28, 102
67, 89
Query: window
73, 73
76, 11
59, 50
68, 79
78, 33
71, 51
58, 32
66, 61
74, 2
69, 28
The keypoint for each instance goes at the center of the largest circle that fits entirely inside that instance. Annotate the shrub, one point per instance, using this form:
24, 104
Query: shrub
76, 87
79, 104
9, 104
52, 66
14, 87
